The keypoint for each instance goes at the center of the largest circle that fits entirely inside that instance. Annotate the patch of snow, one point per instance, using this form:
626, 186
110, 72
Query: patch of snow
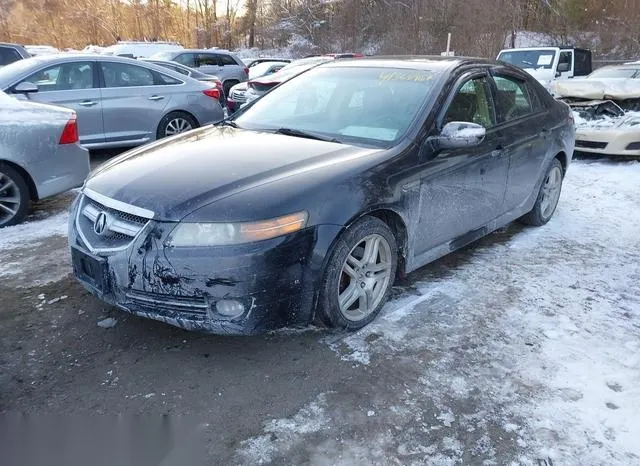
17, 243
31, 232
284, 434
109, 322
528, 340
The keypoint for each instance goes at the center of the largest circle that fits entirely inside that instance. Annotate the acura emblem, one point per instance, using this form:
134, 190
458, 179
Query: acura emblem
100, 225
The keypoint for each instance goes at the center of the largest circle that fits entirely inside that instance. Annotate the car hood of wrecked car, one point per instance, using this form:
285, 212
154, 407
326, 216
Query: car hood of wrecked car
177, 176
599, 89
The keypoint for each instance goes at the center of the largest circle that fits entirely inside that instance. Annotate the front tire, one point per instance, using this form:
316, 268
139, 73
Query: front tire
359, 275
14, 196
548, 196
175, 123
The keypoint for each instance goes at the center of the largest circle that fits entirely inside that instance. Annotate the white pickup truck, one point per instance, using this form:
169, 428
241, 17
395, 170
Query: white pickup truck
548, 64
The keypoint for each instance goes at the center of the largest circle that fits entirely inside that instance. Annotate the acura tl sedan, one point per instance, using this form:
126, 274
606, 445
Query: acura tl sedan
306, 205
120, 102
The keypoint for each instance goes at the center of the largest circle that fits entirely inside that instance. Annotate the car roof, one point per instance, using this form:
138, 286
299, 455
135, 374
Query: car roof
10, 44
71, 57
420, 62
221, 51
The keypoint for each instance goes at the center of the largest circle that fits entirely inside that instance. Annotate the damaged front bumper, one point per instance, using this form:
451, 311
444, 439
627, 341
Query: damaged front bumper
604, 127
237, 290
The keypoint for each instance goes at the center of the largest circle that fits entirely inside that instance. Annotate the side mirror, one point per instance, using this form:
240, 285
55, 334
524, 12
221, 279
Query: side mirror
25, 87
460, 134
563, 67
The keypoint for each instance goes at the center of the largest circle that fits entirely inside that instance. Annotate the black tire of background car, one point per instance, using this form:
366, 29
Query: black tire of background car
226, 88
23, 189
328, 312
162, 126
535, 217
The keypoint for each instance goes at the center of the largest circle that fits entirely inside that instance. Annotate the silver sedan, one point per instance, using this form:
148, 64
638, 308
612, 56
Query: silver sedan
39, 155
120, 102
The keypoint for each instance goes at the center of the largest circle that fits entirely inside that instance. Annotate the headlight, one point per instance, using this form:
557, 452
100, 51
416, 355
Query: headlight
227, 234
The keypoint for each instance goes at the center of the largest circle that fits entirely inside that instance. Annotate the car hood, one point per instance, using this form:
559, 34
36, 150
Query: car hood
599, 88
177, 176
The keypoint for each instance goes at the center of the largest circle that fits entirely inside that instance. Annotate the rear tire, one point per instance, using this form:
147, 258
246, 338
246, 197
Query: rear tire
359, 275
548, 196
175, 123
14, 196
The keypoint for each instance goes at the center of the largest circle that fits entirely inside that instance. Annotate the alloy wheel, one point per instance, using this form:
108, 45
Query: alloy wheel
10, 199
551, 192
364, 278
176, 126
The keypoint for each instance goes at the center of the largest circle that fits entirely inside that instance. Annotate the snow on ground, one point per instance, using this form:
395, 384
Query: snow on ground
17, 246
524, 347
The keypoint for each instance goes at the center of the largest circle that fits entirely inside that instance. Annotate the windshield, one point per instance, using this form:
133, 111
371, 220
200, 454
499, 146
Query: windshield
535, 58
262, 68
626, 73
162, 56
369, 106
10, 72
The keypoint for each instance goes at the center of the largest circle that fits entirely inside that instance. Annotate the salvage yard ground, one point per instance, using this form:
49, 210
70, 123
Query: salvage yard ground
523, 346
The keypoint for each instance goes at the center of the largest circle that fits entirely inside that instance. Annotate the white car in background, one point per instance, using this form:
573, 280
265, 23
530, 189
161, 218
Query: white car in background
606, 106
38, 50
136, 49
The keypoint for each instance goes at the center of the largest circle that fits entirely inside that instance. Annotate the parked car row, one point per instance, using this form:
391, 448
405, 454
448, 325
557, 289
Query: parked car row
120, 102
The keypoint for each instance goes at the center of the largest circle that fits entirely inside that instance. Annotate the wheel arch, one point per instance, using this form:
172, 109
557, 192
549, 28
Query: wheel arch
564, 160
175, 110
33, 190
396, 224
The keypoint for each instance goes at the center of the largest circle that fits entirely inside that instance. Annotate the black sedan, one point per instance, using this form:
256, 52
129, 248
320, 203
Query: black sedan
307, 204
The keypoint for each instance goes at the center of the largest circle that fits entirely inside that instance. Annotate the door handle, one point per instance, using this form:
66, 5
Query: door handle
88, 103
545, 133
156, 97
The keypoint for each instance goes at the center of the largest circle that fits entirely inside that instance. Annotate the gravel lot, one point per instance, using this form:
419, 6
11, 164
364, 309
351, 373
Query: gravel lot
523, 346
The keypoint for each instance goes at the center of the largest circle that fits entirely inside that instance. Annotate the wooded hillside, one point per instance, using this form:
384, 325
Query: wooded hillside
479, 27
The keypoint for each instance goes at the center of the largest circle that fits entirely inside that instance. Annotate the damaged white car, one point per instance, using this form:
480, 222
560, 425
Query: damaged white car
606, 106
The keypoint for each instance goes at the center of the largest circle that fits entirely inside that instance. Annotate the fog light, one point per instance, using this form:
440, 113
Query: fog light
229, 307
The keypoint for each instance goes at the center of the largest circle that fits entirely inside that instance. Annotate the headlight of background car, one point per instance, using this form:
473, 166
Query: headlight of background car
227, 234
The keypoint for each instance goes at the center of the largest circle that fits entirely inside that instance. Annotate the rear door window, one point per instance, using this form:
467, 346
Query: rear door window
63, 77
207, 59
512, 99
186, 59
126, 75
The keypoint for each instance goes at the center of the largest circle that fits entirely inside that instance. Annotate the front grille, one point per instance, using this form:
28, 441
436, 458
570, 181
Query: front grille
119, 228
238, 96
154, 302
591, 144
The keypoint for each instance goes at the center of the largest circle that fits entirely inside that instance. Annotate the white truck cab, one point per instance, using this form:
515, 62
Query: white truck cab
548, 64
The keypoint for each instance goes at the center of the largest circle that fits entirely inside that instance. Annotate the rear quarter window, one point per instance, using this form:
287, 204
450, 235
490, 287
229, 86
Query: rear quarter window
227, 60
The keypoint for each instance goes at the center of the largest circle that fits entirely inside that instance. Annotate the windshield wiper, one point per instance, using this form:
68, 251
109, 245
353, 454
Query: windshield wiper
226, 122
305, 134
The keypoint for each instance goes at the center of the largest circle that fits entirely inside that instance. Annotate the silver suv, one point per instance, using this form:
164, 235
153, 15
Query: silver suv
221, 63
11, 52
